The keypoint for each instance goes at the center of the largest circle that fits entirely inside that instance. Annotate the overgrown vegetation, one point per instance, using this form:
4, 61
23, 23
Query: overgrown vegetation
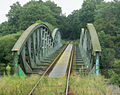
6, 56
115, 73
14, 85
50, 26
64, 42
86, 85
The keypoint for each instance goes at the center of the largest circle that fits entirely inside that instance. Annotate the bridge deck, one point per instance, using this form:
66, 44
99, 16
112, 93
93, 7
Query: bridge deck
61, 66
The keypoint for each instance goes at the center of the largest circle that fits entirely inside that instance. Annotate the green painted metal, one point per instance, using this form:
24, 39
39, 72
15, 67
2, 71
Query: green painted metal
16, 63
35, 44
94, 38
97, 63
92, 73
90, 48
21, 73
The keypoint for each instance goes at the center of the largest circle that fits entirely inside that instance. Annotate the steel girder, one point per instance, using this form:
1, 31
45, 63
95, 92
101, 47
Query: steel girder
33, 46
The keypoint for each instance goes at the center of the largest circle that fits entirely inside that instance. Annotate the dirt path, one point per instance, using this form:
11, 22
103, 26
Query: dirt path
114, 89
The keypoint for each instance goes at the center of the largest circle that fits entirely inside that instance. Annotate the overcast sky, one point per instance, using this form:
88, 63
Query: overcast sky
67, 6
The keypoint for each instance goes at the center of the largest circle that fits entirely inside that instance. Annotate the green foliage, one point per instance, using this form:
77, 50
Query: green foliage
51, 27
115, 73
6, 44
79, 18
105, 20
108, 52
21, 17
117, 63
64, 42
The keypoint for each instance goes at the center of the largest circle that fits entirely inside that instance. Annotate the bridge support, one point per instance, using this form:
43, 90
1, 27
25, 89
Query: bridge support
97, 63
16, 63
17, 68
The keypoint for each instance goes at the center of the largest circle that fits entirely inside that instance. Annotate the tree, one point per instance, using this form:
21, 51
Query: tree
115, 73
6, 44
21, 17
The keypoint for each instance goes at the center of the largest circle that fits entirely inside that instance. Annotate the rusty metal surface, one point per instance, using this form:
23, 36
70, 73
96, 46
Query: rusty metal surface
61, 66
94, 38
69, 71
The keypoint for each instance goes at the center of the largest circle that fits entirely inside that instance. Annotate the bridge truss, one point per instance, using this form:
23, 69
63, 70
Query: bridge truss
35, 44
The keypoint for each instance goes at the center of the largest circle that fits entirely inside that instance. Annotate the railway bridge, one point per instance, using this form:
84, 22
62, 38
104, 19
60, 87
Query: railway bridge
40, 51
39, 47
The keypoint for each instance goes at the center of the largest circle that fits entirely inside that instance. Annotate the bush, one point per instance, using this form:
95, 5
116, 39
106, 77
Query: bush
115, 73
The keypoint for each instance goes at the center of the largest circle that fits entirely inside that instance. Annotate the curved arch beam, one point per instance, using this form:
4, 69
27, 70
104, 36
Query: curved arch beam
25, 36
56, 38
94, 38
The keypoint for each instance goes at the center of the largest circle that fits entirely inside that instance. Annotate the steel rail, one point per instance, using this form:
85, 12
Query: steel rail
69, 70
54, 61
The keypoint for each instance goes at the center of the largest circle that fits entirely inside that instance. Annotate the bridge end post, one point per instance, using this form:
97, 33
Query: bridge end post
17, 69
16, 64
97, 63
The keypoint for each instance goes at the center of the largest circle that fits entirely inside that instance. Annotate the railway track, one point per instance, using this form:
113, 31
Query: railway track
45, 63
69, 70
80, 66
48, 70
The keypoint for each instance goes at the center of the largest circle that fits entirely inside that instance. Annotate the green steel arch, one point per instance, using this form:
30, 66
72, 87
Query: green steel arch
90, 48
57, 37
36, 43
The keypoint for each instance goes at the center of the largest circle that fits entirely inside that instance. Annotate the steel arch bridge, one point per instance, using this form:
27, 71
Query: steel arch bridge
35, 44
38, 42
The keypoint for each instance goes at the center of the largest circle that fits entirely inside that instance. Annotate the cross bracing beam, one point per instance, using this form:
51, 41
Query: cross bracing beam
90, 48
36, 43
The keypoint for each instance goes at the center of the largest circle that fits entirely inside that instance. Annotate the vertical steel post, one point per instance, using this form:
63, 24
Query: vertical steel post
41, 42
16, 70
38, 44
44, 44
97, 63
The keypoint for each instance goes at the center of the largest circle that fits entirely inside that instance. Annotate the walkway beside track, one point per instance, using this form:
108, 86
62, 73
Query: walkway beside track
61, 66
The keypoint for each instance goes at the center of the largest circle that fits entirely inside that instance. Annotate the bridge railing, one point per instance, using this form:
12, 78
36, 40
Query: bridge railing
90, 48
36, 43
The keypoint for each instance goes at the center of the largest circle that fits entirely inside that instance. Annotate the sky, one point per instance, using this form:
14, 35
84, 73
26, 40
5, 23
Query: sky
67, 6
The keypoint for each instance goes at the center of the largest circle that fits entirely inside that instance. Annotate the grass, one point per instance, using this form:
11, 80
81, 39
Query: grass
13, 85
51, 86
64, 42
79, 85
85, 85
